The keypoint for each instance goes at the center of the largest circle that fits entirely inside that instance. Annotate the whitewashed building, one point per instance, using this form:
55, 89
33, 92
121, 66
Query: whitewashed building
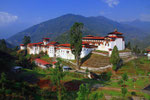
89, 43
108, 42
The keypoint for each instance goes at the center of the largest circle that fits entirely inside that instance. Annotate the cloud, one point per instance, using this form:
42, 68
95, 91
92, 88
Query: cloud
6, 18
145, 17
112, 3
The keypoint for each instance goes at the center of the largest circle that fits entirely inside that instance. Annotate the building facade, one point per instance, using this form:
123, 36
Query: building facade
89, 43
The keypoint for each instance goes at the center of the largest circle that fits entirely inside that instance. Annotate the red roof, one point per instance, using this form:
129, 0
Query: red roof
41, 61
54, 62
64, 45
52, 43
116, 36
89, 36
21, 44
116, 32
31, 44
94, 37
148, 50
46, 38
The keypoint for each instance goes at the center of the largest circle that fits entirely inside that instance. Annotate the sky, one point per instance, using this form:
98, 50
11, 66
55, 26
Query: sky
26, 13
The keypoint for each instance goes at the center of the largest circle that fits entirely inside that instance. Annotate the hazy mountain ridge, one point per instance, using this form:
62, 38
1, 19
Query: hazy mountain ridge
55, 28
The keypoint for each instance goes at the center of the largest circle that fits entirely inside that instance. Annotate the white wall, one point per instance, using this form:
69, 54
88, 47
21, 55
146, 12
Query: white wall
104, 47
22, 47
65, 54
51, 51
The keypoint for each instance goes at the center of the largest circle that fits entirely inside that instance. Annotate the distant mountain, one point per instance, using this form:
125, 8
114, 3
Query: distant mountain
58, 29
9, 30
143, 25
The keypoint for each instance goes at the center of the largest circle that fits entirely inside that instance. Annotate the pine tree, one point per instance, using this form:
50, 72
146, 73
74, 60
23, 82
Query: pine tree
115, 58
124, 77
76, 41
83, 92
3, 45
26, 41
57, 75
3, 80
124, 91
129, 45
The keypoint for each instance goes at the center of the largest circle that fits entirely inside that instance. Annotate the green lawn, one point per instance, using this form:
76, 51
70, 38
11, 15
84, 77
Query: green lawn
139, 84
140, 66
106, 52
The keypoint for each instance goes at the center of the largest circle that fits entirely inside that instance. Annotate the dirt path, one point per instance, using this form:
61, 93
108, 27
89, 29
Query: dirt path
130, 59
116, 89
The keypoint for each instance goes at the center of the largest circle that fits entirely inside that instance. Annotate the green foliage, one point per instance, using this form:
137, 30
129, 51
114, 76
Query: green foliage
76, 41
3, 45
83, 93
124, 91
86, 71
125, 77
129, 46
96, 96
57, 75
115, 58
106, 76
133, 93
8, 91
3, 80
26, 40
120, 82
136, 50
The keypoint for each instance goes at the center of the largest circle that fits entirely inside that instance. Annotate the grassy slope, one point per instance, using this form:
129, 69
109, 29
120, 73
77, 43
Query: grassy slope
138, 66
96, 61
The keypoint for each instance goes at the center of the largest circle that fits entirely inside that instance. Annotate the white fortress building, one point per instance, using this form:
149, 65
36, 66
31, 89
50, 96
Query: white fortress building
89, 43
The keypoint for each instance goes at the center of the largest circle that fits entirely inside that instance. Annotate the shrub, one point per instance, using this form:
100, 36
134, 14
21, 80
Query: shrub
133, 93
120, 82
1, 91
8, 91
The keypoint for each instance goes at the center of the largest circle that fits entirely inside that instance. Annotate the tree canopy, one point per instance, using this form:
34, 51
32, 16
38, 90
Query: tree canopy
26, 40
76, 41
115, 58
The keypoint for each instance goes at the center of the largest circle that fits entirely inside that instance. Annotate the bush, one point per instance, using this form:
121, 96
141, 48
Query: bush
120, 82
1, 91
8, 91
106, 76
133, 93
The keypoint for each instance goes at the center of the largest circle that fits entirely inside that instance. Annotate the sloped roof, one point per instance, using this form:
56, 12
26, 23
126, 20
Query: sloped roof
41, 61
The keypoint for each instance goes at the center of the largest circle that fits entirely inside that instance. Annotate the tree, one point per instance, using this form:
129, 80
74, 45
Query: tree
76, 41
3, 80
96, 96
26, 41
106, 76
124, 77
3, 45
129, 45
87, 71
57, 75
83, 92
124, 91
136, 50
115, 58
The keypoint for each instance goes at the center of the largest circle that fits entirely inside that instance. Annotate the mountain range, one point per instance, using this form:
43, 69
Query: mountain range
58, 29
